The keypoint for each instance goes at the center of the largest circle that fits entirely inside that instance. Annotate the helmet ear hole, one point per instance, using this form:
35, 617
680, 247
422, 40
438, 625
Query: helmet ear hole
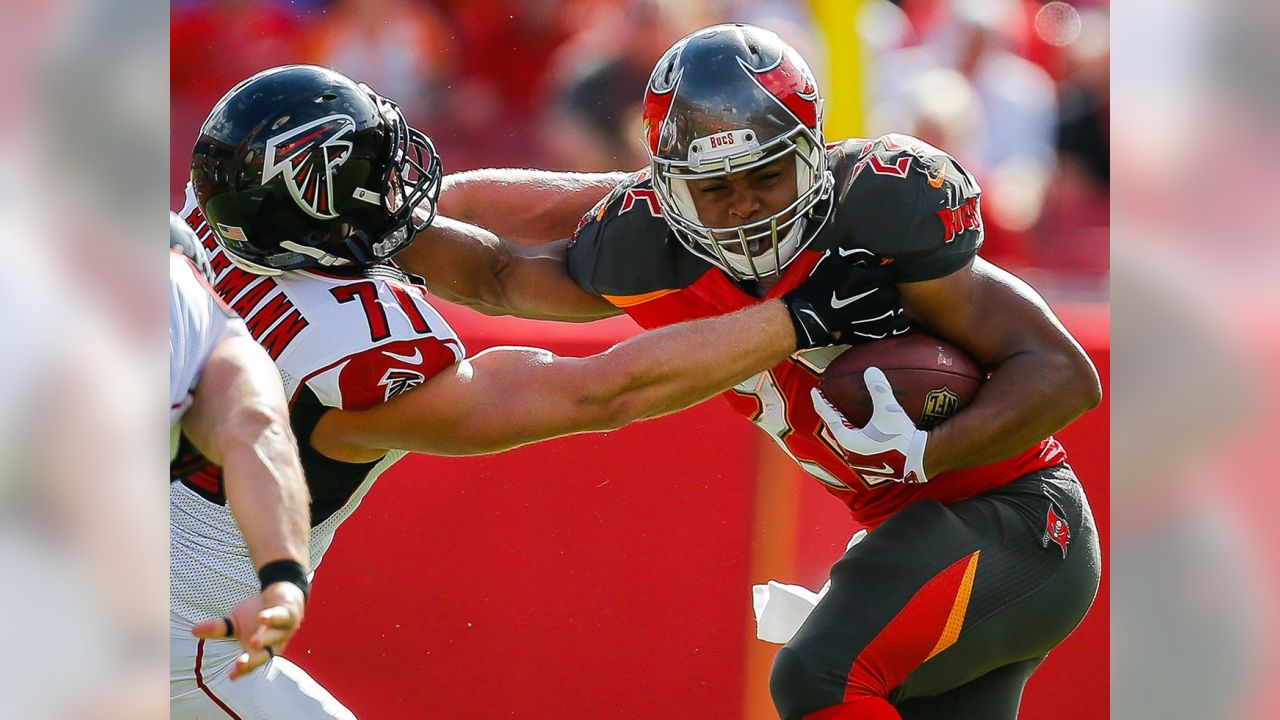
327, 97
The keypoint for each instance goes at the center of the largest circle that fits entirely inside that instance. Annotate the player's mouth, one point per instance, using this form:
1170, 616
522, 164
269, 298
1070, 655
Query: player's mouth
732, 243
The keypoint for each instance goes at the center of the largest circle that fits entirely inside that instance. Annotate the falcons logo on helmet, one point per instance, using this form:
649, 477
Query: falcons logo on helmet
306, 157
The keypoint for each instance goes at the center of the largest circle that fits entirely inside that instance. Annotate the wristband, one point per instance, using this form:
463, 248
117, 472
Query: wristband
810, 330
285, 571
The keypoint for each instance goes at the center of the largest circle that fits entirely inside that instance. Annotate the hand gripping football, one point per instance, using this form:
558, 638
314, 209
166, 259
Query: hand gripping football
931, 378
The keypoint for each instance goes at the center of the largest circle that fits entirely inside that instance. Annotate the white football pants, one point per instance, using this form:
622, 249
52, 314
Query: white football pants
200, 686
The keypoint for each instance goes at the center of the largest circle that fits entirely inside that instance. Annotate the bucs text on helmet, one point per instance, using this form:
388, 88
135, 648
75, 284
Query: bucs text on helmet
299, 166
723, 100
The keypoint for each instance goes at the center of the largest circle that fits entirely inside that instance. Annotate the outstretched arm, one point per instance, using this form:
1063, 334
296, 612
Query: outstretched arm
498, 245
507, 396
524, 206
469, 265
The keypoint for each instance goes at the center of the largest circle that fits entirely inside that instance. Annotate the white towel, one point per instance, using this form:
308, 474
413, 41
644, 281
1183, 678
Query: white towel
781, 608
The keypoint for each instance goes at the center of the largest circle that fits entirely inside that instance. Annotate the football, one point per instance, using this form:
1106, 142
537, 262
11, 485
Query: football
931, 378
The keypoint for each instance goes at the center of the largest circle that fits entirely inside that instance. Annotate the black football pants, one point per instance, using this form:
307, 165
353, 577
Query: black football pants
945, 611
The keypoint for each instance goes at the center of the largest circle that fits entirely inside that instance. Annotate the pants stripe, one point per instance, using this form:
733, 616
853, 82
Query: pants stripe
955, 620
904, 644
200, 682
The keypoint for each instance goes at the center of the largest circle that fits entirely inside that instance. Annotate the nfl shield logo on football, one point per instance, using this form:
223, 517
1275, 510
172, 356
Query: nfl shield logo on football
939, 405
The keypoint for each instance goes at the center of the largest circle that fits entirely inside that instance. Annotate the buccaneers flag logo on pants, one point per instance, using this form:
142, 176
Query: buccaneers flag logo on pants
1056, 529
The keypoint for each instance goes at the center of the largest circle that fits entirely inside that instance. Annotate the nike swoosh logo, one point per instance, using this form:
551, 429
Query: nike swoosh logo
885, 469
936, 182
415, 358
838, 303
853, 251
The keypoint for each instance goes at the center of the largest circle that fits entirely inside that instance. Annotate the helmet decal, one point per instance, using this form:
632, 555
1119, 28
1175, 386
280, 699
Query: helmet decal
306, 157
789, 80
660, 93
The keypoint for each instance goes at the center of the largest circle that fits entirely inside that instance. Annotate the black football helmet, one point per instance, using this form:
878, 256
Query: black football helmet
300, 166
722, 100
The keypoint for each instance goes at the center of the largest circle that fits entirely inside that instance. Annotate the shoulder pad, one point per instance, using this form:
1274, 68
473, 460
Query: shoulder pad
624, 248
908, 202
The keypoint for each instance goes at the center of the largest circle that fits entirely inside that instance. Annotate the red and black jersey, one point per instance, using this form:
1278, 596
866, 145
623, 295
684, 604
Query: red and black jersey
908, 206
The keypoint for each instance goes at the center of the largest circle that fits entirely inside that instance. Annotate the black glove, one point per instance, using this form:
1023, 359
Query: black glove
848, 297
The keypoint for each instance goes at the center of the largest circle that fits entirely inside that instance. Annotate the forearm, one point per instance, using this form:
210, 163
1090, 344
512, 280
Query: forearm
265, 488
1028, 397
469, 265
505, 397
239, 420
529, 206
669, 369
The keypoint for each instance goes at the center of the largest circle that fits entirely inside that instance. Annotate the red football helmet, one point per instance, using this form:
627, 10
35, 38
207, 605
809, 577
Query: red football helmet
725, 99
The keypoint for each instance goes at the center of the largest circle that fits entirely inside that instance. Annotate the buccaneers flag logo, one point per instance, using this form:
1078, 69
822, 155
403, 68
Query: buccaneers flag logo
1056, 530
306, 157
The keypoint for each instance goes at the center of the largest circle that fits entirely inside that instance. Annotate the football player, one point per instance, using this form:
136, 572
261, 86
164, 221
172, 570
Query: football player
983, 553
304, 186
226, 398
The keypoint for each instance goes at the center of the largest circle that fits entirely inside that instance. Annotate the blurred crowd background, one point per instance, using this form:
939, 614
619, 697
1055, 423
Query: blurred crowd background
1018, 90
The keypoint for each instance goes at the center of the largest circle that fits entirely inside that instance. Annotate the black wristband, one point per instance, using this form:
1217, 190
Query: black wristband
285, 571
810, 330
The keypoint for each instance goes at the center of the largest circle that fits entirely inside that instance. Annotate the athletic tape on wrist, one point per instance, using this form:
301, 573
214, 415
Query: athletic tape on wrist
285, 571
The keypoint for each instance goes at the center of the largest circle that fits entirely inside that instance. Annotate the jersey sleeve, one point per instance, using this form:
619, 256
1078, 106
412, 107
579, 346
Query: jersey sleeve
405, 342
914, 206
624, 251
589, 248
198, 321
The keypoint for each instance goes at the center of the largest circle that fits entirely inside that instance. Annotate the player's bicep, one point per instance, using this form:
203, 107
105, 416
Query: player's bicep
524, 206
985, 310
471, 266
240, 388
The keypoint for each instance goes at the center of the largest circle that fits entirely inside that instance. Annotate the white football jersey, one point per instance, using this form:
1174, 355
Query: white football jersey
340, 341
198, 321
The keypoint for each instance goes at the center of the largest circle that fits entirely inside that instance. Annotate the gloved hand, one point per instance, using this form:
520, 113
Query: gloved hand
844, 300
890, 447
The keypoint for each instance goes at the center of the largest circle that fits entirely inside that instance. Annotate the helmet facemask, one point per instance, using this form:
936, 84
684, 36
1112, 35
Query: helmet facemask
735, 249
411, 187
